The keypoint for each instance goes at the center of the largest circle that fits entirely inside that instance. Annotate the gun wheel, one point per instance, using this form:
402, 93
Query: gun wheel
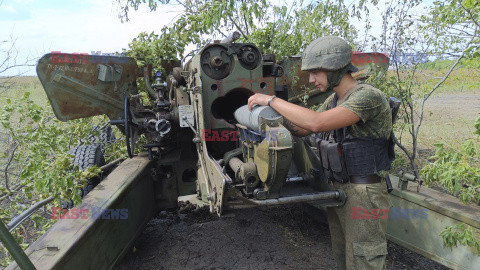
86, 156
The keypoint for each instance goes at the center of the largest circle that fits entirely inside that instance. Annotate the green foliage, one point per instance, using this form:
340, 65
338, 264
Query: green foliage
400, 162
455, 26
462, 234
37, 165
405, 88
458, 171
472, 62
41, 145
283, 29
477, 127
295, 26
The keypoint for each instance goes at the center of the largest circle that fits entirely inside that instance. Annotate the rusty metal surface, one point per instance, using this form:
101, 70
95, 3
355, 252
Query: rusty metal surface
99, 243
368, 63
74, 89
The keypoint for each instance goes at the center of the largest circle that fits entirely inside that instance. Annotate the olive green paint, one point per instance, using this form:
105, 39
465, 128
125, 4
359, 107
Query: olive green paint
99, 243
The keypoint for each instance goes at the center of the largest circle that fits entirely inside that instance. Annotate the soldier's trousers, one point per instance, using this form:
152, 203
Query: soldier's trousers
358, 228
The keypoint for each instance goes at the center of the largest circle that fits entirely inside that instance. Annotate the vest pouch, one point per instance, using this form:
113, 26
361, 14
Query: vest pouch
336, 162
334, 157
323, 154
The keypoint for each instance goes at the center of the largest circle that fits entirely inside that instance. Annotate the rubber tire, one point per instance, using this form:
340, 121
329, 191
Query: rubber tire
88, 156
105, 137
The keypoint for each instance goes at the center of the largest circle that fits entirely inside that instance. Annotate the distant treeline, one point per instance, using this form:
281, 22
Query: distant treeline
445, 64
426, 62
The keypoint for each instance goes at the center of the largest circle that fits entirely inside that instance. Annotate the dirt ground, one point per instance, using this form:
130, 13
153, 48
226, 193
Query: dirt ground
449, 117
284, 237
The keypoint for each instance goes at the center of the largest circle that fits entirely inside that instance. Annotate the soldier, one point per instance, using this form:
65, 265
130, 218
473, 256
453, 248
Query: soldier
356, 119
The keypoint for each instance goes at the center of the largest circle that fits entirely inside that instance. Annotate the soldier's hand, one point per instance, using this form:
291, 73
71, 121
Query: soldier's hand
259, 99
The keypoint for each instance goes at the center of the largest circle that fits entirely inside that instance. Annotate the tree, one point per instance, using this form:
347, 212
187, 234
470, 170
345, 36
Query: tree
449, 29
283, 30
456, 24
9, 60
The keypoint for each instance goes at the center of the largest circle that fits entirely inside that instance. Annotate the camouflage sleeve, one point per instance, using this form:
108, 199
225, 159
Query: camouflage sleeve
366, 103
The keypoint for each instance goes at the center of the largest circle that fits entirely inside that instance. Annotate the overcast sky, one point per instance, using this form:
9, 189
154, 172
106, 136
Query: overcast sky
79, 26
83, 26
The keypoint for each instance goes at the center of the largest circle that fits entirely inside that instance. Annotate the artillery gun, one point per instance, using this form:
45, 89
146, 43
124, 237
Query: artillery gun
202, 138
203, 142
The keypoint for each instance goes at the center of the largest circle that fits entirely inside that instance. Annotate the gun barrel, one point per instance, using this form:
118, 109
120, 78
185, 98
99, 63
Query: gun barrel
232, 38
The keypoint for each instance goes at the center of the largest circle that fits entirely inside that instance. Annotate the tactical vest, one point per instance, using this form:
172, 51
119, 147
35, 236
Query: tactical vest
344, 155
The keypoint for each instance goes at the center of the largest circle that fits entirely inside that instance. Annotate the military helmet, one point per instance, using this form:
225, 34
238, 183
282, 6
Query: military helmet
327, 53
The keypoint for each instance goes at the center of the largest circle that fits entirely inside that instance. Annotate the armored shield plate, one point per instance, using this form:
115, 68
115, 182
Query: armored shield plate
81, 85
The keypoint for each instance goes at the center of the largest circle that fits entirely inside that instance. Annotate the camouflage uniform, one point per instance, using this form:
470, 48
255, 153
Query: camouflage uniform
361, 243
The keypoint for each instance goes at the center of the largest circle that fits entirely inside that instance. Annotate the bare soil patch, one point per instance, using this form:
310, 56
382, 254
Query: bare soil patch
449, 117
286, 237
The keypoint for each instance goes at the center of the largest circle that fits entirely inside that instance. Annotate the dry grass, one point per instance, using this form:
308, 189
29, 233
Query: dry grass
461, 80
449, 114
20, 85
449, 117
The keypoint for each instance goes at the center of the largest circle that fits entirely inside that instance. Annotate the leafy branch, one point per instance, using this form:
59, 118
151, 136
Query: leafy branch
462, 234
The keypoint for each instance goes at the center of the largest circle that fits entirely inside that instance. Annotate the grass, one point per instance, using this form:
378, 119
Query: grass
461, 80
450, 118
472, 63
450, 113
17, 86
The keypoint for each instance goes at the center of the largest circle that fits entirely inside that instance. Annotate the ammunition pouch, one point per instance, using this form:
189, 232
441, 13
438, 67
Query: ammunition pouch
354, 157
333, 162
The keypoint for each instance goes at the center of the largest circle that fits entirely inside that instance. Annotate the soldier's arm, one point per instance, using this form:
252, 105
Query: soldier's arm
294, 129
311, 121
